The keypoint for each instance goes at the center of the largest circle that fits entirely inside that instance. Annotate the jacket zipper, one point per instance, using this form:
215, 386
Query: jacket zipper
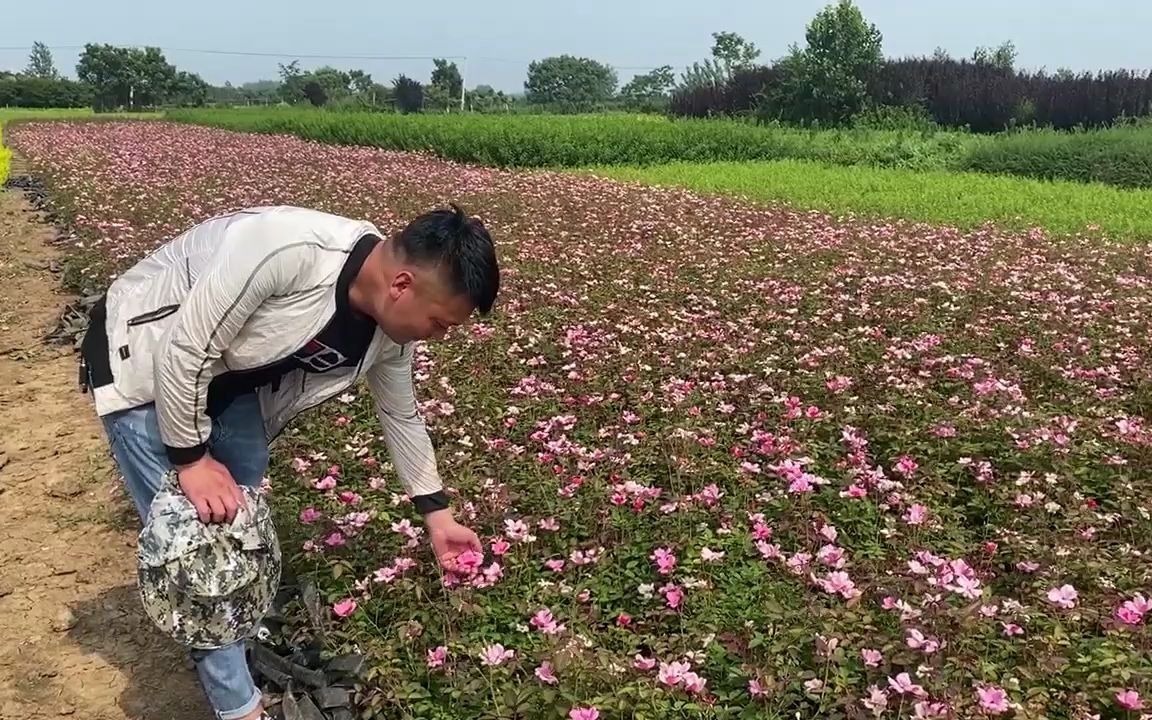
152, 315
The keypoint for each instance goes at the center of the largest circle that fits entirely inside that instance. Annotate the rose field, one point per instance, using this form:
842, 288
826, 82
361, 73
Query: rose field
728, 460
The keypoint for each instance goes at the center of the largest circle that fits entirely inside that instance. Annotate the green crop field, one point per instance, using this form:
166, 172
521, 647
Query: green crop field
963, 199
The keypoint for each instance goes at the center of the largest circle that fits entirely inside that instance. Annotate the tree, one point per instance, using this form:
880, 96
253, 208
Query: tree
485, 98
260, 91
709, 73
446, 77
337, 84
827, 81
315, 93
34, 92
130, 78
407, 94
733, 52
292, 81
568, 81
649, 89
1002, 58
361, 82
40, 63
187, 90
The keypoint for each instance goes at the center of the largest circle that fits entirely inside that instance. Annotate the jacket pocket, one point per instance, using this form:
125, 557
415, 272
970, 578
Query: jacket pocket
153, 315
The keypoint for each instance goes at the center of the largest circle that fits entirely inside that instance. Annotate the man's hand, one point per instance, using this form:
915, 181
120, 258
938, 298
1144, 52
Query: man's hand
211, 488
449, 538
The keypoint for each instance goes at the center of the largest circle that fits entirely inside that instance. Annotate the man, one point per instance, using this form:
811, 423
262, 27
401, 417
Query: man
199, 355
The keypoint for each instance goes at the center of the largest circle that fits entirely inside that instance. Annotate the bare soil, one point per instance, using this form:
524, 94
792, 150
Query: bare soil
73, 640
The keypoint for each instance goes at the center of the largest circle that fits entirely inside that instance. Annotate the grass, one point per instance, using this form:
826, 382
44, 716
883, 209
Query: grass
965, 200
575, 141
8, 114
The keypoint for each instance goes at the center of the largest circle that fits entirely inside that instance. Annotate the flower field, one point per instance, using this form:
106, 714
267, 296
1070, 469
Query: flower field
727, 461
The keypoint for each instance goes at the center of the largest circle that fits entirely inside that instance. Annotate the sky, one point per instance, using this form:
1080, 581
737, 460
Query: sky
493, 42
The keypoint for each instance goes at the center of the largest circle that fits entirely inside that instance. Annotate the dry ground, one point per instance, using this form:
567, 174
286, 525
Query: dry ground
74, 640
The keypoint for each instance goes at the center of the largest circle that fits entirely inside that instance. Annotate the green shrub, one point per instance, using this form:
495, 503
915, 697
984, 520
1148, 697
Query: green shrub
34, 92
1121, 156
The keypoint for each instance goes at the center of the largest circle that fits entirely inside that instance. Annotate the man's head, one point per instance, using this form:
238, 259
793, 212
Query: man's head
429, 277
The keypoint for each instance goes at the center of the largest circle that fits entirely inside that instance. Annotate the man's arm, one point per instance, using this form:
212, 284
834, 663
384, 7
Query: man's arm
405, 434
415, 460
238, 280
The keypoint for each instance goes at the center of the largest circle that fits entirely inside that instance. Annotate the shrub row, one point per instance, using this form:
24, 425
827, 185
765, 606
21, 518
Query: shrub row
980, 97
985, 98
578, 141
33, 92
1121, 157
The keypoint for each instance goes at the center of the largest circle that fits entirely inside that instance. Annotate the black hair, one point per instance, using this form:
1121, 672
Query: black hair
460, 246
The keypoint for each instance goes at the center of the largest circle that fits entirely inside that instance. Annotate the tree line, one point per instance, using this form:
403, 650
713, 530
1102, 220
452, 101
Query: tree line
108, 78
112, 78
838, 77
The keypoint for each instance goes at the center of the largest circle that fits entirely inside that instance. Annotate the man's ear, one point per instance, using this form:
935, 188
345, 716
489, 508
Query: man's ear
401, 282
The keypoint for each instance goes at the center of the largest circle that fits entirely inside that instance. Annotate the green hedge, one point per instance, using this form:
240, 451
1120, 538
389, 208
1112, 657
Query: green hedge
33, 92
582, 140
1121, 156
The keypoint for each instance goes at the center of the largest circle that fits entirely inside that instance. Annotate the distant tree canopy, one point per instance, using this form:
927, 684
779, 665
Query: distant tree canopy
40, 64
408, 94
133, 78
328, 86
650, 89
566, 80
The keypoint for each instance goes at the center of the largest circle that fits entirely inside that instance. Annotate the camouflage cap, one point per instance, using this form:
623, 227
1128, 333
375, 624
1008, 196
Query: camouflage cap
207, 585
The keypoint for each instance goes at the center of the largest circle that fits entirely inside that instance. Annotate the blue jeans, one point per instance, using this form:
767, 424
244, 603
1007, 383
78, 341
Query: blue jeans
238, 442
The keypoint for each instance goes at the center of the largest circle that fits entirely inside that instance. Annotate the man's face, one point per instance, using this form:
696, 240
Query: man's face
419, 305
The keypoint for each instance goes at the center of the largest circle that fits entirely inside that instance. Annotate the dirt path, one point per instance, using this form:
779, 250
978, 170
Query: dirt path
72, 638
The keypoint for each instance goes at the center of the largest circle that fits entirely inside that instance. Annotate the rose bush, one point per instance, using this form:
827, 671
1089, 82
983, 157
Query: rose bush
727, 461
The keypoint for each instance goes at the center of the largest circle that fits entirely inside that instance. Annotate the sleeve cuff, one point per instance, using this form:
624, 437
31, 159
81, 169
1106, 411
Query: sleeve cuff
185, 455
431, 503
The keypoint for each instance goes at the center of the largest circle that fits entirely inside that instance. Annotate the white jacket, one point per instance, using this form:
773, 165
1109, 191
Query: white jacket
241, 291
